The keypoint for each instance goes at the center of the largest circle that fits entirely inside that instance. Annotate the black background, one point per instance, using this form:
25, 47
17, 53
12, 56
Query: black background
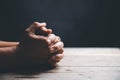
80, 23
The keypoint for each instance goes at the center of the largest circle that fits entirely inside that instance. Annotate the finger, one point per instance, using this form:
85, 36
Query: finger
57, 40
56, 57
58, 47
39, 29
45, 30
54, 60
53, 38
40, 38
35, 26
52, 63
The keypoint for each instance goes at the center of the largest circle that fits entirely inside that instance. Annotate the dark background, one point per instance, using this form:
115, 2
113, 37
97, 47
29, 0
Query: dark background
80, 23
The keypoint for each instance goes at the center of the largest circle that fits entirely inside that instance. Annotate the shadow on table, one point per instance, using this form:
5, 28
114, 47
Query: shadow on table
27, 72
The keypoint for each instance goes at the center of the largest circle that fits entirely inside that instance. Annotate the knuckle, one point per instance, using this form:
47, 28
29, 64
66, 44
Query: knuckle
51, 35
56, 48
62, 50
48, 41
35, 23
58, 38
60, 44
59, 56
27, 30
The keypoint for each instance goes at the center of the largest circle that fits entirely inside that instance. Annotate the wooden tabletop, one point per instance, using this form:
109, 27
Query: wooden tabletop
78, 64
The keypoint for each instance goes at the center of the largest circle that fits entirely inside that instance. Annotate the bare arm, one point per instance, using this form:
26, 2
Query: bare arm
7, 54
8, 44
7, 57
33, 50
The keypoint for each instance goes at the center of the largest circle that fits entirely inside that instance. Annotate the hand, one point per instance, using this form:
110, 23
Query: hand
39, 46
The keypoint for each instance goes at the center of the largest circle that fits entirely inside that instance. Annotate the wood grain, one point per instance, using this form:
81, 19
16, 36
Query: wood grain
79, 64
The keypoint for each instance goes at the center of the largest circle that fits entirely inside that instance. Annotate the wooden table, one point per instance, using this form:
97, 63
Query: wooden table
79, 64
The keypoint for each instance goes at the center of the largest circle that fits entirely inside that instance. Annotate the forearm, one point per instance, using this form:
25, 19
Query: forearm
8, 44
7, 57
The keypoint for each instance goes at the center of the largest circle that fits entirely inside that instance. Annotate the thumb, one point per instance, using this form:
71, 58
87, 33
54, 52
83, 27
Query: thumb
39, 29
43, 30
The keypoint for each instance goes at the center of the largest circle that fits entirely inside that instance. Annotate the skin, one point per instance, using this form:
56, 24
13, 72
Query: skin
39, 46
